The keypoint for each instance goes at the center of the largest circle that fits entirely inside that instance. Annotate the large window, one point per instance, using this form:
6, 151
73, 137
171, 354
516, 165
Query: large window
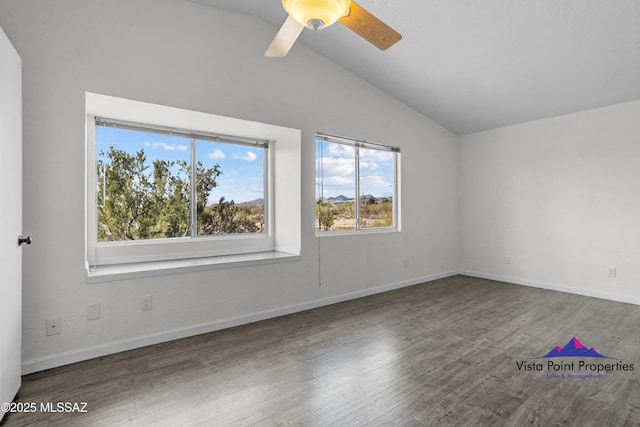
155, 183
174, 189
356, 185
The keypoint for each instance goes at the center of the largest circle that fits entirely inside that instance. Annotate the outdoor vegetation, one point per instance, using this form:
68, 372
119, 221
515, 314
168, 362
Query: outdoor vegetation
342, 216
138, 199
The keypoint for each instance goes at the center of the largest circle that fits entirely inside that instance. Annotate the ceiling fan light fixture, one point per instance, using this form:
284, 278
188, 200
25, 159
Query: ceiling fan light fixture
316, 14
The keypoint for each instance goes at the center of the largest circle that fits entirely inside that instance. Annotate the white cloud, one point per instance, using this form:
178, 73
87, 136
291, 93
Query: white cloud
340, 150
216, 154
338, 176
375, 155
338, 171
249, 157
332, 166
338, 181
167, 147
369, 165
375, 181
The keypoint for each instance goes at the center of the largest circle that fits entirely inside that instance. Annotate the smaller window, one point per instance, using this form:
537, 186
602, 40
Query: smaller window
356, 185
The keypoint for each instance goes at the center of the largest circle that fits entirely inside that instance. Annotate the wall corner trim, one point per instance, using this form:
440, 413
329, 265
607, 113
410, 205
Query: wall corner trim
553, 287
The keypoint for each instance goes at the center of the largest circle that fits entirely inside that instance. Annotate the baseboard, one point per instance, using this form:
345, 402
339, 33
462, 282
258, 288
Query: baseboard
66, 358
553, 287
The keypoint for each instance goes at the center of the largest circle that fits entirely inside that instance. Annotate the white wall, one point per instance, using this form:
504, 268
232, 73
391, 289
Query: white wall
561, 197
179, 54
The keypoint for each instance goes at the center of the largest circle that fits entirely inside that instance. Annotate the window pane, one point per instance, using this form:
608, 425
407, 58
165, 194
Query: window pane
230, 188
376, 188
335, 187
142, 185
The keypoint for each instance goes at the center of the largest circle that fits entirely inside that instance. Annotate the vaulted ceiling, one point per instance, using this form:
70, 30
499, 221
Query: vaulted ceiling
473, 65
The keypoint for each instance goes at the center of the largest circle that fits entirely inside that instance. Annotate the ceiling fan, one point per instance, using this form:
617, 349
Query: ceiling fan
317, 14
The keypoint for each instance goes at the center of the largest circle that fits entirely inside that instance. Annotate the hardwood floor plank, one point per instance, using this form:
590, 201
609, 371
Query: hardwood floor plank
441, 353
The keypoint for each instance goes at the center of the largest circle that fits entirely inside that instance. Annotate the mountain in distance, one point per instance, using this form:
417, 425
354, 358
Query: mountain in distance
344, 199
339, 199
256, 202
574, 348
333, 200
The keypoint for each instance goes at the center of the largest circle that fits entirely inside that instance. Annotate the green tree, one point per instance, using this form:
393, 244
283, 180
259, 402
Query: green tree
227, 218
326, 215
137, 201
125, 204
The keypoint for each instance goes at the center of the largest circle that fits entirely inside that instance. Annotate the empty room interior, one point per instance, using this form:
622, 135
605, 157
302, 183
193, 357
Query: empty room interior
232, 213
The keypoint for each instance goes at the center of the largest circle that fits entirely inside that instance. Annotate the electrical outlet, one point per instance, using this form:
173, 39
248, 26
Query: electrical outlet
54, 326
93, 312
612, 273
146, 303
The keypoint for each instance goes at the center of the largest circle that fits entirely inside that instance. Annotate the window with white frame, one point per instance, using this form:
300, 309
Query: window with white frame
154, 183
163, 184
357, 185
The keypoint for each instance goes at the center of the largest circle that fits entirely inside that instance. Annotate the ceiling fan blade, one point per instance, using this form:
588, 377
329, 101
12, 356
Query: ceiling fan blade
369, 27
285, 38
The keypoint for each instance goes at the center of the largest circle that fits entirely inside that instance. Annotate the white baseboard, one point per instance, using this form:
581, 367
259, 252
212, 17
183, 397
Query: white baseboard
61, 359
79, 355
553, 287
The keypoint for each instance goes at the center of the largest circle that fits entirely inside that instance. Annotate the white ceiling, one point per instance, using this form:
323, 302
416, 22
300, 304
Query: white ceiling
473, 65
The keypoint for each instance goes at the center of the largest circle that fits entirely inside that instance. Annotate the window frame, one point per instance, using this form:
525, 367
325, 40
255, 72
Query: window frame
282, 236
195, 136
357, 144
123, 252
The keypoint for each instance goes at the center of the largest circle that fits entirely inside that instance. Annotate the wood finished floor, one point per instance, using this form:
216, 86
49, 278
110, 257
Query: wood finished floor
438, 354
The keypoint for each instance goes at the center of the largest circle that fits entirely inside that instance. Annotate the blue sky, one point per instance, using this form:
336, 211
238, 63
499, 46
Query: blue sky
242, 178
337, 162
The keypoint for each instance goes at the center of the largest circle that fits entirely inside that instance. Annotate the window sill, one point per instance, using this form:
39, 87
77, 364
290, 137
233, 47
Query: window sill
109, 273
362, 231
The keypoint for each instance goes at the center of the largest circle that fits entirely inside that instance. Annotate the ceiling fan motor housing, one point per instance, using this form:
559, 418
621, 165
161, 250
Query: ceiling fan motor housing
316, 14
